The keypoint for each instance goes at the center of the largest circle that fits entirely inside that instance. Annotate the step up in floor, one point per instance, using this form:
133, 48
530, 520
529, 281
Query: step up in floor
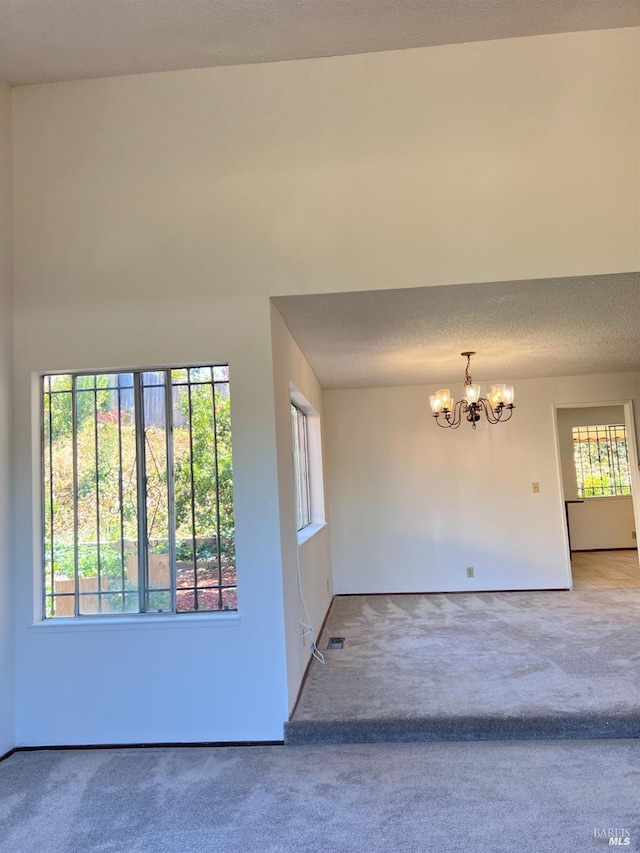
482, 728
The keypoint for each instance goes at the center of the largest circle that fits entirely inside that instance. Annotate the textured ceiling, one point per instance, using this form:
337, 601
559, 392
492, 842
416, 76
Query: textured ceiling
50, 40
522, 329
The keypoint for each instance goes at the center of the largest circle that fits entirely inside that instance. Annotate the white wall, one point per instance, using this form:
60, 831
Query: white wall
291, 368
154, 216
602, 523
413, 505
598, 522
186, 678
7, 734
474, 162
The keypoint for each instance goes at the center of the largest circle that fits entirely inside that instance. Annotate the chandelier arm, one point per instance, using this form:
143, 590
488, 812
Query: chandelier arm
453, 418
446, 424
489, 413
500, 414
458, 411
508, 417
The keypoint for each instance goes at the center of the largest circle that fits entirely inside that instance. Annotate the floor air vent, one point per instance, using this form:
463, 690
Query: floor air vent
335, 643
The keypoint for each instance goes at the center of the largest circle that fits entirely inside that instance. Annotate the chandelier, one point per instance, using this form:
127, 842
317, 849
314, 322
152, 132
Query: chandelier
497, 407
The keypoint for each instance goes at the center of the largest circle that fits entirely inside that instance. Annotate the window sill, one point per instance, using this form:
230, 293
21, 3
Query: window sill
590, 498
309, 532
138, 622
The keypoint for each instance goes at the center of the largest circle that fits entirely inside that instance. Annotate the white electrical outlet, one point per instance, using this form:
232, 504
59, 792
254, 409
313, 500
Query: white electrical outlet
469, 571
535, 488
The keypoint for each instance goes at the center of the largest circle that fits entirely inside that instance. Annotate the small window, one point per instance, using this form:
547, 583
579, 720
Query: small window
301, 467
602, 461
138, 492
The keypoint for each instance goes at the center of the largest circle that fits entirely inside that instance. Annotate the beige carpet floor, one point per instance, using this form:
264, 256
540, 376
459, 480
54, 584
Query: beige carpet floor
543, 657
560, 797
605, 569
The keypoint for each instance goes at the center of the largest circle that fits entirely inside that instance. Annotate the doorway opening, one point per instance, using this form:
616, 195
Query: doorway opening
599, 476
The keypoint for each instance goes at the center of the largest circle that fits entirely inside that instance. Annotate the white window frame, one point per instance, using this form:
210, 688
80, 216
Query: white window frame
144, 588
300, 441
315, 520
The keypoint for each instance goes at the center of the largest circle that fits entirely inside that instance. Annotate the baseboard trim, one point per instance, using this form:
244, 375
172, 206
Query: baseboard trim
217, 744
598, 550
453, 591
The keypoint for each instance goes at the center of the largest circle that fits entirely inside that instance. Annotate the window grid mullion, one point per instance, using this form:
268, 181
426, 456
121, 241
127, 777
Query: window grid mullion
305, 472
193, 499
74, 421
123, 583
595, 457
141, 475
171, 502
613, 466
97, 476
216, 469
51, 508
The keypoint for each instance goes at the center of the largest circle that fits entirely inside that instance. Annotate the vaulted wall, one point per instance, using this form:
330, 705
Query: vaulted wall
6, 562
154, 216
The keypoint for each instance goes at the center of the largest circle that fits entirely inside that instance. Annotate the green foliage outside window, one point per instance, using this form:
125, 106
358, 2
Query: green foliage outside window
601, 460
90, 481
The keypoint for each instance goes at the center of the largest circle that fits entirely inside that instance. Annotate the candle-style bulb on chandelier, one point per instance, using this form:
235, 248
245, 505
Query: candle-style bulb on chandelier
497, 407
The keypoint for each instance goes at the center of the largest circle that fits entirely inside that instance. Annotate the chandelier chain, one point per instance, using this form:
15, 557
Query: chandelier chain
467, 371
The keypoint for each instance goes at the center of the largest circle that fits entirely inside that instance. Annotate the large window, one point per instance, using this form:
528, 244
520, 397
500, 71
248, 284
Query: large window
602, 461
301, 467
137, 492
